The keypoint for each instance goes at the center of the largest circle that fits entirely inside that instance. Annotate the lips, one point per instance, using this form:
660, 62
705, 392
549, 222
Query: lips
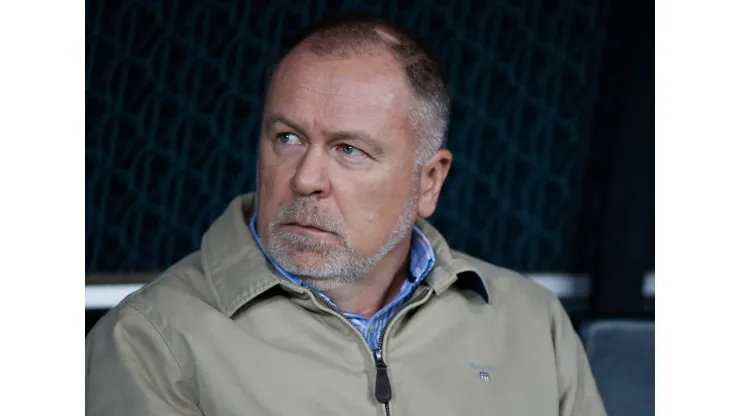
306, 226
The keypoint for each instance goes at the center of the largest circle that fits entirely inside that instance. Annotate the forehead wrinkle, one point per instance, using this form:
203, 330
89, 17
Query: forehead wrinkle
340, 105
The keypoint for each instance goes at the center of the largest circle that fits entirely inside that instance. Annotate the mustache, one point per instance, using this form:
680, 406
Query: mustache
307, 213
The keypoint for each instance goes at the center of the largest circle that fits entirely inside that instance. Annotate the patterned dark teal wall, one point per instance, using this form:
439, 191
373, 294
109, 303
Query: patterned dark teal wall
173, 99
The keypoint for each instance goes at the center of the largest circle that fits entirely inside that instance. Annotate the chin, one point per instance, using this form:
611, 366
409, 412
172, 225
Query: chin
304, 263
308, 259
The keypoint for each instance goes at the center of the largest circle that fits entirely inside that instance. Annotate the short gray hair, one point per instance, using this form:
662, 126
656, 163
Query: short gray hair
351, 35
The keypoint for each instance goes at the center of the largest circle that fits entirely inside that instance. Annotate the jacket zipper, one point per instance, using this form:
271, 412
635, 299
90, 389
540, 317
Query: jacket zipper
383, 391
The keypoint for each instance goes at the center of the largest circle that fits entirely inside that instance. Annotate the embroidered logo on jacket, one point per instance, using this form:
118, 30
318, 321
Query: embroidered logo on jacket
484, 371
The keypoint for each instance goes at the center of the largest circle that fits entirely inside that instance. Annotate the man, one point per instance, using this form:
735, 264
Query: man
326, 291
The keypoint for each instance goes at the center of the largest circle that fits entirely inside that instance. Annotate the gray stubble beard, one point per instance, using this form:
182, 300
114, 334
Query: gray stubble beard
337, 264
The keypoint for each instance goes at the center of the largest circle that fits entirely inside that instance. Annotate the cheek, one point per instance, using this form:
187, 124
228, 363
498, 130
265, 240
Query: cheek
266, 182
371, 212
274, 188
273, 174
371, 216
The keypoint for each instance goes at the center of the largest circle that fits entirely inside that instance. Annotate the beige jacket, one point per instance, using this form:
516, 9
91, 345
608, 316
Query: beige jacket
220, 333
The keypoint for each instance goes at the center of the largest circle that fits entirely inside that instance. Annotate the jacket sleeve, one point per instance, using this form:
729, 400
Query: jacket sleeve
130, 370
579, 394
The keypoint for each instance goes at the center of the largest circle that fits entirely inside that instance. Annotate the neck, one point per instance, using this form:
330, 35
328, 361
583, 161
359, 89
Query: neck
368, 295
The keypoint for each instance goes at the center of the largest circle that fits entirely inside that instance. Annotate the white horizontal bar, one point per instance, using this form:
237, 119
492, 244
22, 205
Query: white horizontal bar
107, 296
562, 285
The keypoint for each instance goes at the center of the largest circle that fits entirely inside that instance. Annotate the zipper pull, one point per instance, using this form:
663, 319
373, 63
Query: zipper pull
382, 382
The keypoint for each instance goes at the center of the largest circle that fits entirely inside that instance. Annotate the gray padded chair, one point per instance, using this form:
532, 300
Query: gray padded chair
622, 357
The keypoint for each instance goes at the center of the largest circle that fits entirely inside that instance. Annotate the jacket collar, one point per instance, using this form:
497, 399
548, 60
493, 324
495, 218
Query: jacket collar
237, 270
450, 269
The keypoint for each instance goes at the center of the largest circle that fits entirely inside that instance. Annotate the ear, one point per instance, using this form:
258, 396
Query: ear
433, 175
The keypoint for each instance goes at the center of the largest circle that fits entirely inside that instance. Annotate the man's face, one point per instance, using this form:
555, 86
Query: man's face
337, 185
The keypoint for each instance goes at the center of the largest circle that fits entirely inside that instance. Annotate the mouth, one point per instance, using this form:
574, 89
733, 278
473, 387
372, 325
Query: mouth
306, 227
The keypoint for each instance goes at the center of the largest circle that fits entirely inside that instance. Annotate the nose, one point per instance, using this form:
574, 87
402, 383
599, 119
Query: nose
310, 178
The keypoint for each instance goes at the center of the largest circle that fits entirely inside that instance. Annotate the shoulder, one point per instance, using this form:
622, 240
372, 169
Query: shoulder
169, 297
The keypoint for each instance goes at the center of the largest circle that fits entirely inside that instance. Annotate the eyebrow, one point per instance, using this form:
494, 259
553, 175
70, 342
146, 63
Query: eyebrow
376, 147
273, 119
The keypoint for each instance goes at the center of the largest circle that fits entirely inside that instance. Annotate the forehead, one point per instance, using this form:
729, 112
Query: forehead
364, 91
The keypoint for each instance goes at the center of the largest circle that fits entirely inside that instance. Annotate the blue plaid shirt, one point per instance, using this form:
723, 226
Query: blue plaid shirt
421, 262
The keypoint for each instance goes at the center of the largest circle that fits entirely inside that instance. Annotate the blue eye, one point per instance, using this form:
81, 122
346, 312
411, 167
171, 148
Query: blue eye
351, 150
288, 138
